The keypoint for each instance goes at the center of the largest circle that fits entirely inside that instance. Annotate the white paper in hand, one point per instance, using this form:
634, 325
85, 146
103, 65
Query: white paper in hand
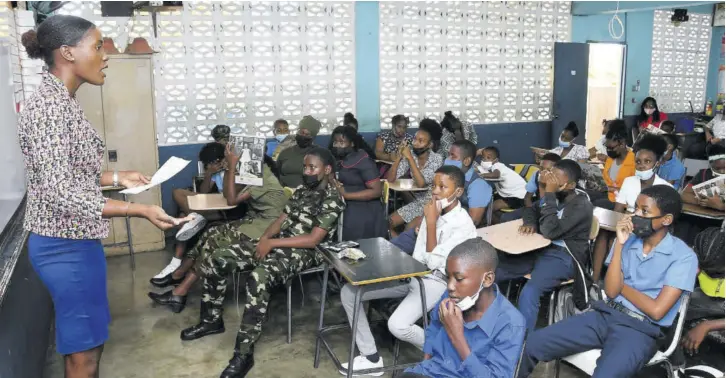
172, 166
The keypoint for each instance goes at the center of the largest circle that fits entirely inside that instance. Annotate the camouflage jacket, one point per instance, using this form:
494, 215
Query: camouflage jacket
308, 209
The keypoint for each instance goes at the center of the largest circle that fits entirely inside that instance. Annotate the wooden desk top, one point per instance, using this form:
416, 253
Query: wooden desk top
112, 188
384, 162
204, 202
405, 185
506, 238
702, 212
608, 219
383, 262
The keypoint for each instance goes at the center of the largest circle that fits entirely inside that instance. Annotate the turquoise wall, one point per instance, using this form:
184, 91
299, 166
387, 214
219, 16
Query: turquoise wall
590, 24
367, 95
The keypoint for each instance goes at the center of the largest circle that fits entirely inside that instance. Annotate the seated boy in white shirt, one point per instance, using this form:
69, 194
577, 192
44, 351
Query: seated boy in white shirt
445, 225
510, 186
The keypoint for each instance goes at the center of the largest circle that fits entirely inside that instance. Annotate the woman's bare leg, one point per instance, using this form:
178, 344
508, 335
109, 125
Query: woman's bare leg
83, 364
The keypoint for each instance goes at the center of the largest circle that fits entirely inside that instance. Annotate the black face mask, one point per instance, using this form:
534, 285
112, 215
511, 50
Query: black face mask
342, 152
311, 182
303, 141
419, 151
561, 195
643, 227
613, 154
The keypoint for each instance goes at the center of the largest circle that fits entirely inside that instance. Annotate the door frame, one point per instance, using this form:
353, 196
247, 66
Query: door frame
621, 104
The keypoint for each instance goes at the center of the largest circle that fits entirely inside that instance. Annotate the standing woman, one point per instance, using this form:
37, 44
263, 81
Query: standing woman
65, 209
454, 130
360, 186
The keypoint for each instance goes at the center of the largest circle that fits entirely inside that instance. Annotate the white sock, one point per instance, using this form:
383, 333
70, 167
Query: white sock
172, 266
175, 261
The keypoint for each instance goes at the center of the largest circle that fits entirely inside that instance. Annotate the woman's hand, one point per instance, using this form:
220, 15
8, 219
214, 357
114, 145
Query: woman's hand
713, 202
159, 218
405, 152
624, 228
338, 185
132, 179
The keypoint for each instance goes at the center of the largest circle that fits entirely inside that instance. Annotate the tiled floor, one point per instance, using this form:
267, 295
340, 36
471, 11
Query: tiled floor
144, 340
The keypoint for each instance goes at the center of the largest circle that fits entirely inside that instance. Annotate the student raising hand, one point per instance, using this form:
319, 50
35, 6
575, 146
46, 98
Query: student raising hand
624, 228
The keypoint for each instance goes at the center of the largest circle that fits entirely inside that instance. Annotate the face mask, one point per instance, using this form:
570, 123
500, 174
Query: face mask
303, 141
613, 154
419, 151
561, 195
716, 173
487, 164
644, 175
454, 163
649, 111
342, 152
469, 301
281, 137
564, 144
643, 227
311, 182
444, 203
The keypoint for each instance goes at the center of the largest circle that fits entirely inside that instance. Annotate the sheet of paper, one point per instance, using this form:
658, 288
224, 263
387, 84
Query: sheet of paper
172, 166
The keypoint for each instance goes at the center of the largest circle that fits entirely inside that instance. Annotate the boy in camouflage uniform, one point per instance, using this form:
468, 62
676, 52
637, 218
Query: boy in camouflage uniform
310, 218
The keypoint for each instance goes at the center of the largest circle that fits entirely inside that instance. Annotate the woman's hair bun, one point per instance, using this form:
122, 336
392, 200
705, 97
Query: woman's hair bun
31, 44
448, 113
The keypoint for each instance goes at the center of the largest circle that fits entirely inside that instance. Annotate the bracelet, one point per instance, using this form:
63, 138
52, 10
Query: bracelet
115, 178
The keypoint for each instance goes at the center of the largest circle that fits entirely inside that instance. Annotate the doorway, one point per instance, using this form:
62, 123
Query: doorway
604, 87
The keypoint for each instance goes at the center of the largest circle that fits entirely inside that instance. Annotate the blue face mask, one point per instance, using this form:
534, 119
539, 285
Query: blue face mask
455, 163
564, 144
281, 137
218, 179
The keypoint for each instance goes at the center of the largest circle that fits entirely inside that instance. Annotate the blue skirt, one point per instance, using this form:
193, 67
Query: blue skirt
74, 271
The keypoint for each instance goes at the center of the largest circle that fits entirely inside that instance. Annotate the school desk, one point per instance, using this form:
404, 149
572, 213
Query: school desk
702, 212
383, 262
608, 218
384, 162
208, 202
506, 238
127, 220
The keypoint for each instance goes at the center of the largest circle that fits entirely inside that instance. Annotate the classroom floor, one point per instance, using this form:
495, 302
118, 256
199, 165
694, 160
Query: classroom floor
144, 339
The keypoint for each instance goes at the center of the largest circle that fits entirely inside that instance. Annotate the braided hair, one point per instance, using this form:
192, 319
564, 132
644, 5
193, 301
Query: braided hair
709, 247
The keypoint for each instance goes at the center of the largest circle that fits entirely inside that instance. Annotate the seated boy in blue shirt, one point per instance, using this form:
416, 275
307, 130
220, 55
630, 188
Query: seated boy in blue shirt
671, 169
649, 270
474, 331
477, 192
546, 163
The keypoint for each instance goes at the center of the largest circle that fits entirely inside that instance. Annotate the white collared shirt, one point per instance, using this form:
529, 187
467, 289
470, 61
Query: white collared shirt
452, 229
629, 191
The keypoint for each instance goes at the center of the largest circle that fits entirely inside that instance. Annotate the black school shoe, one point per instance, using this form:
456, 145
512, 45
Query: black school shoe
175, 302
239, 365
166, 281
202, 329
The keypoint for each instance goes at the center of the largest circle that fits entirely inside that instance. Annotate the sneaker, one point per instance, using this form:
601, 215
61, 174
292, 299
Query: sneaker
362, 363
173, 265
191, 228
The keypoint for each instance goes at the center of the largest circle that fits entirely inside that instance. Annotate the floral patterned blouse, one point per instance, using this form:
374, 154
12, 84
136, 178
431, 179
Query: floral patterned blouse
63, 155
448, 138
391, 143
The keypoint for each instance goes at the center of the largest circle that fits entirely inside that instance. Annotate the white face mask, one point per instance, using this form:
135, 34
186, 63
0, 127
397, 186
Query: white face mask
649, 111
716, 173
444, 203
469, 302
644, 175
486, 165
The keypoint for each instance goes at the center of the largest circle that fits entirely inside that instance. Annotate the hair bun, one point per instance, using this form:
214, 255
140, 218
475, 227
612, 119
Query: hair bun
31, 44
448, 113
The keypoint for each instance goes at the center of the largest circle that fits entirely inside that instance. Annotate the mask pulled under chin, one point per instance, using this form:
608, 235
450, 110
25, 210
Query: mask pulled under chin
311, 182
469, 301
645, 175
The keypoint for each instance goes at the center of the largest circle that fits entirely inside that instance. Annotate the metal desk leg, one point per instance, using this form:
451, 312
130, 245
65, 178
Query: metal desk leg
356, 310
326, 271
130, 240
423, 302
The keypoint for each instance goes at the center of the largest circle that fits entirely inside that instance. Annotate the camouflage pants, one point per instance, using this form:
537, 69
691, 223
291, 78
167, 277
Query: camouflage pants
222, 236
280, 265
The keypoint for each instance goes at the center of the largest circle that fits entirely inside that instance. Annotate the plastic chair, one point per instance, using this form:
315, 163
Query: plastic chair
386, 196
586, 361
526, 171
317, 269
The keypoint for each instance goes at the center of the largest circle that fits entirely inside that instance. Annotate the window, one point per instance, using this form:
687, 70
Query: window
679, 64
244, 64
9, 41
485, 61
